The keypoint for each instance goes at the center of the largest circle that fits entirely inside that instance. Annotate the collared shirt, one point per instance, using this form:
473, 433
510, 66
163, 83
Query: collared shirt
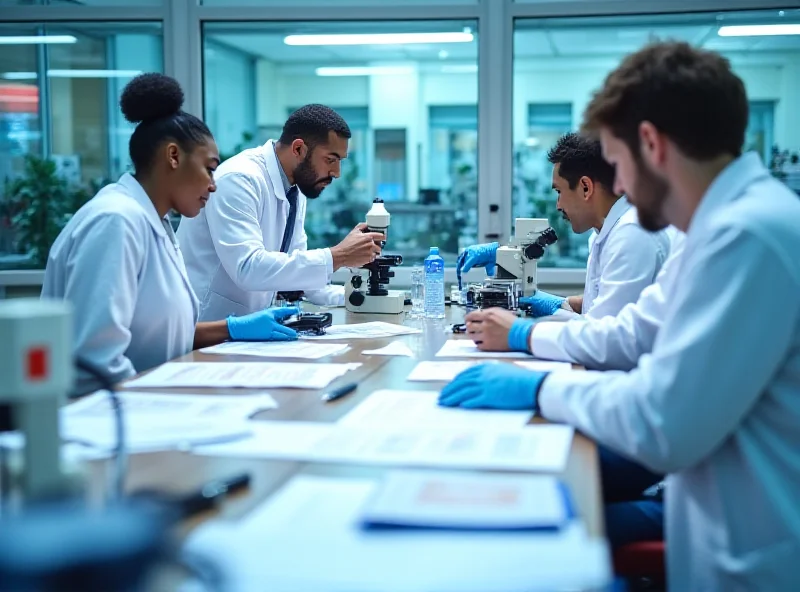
624, 259
291, 192
716, 405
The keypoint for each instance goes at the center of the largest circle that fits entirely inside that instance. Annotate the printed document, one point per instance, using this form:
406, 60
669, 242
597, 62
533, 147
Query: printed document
540, 447
371, 330
465, 500
395, 348
307, 537
147, 404
438, 371
419, 409
277, 349
242, 374
466, 348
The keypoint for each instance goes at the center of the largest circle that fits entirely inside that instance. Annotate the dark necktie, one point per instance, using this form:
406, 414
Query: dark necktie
291, 196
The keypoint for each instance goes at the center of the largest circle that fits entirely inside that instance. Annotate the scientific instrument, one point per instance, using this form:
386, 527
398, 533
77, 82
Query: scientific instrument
367, 290
516, 267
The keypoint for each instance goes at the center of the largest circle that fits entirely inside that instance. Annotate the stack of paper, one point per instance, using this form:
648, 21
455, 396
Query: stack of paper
277, 349
540, 447
242, 374
469, 501
306, 537
371, 330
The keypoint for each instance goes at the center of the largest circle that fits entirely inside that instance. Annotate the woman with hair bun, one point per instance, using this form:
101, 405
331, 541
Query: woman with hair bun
118, 262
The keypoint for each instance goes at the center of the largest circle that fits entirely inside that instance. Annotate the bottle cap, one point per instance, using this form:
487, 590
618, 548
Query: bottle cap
434, 251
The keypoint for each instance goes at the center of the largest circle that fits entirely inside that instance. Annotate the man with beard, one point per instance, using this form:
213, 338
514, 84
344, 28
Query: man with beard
716, 404
249, 241
623, 258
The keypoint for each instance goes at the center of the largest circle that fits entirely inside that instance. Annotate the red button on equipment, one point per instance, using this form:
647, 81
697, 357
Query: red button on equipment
37, 363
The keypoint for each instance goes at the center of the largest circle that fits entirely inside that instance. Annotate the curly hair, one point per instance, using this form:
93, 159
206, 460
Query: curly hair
312, 124
581, 156
154, 101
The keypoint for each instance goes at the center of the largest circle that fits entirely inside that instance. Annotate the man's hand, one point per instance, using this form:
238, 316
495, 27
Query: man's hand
490, 328
358, 248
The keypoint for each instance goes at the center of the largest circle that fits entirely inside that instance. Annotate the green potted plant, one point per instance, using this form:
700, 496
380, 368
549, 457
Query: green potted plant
40, 203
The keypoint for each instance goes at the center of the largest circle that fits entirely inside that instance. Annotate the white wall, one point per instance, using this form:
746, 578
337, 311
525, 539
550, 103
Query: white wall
128, 52
230, 95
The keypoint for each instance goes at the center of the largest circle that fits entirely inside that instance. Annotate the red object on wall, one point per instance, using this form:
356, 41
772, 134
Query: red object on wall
38, 358
19, 98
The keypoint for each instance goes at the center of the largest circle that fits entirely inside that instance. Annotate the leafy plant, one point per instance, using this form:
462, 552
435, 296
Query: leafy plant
40, 204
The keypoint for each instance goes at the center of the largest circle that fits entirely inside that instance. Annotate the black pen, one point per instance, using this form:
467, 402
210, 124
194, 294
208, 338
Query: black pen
340, 392
211, 492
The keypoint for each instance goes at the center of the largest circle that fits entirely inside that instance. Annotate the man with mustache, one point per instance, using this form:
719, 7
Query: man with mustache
249, 241
623, 258
716, 403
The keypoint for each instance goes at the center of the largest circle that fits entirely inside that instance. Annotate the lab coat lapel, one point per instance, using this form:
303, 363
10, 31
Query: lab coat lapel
274, 172
137, 192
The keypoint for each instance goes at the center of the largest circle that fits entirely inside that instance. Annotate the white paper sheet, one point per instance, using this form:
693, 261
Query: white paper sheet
242, 374
306, 538
148, 432
466, 348
371, 330
466, 500
395, 348
419, 409
545, 366
540, 447
229, 407
277, 349
438, 371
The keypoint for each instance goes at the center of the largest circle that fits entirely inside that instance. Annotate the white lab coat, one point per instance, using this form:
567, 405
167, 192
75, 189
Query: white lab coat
624, 259
116, 263
232, 248
612, 342
716, 405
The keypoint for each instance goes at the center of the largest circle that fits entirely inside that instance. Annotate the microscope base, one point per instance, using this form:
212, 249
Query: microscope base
392, 303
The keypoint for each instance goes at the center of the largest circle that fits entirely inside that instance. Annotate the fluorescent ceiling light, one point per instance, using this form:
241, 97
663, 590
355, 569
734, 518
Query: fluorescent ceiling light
379, 38
758, 30
35, 39
362, 70
73, 74
459, 69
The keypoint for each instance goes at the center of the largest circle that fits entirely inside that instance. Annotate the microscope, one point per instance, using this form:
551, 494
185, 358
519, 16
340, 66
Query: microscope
516, 267
367, 290
305, 323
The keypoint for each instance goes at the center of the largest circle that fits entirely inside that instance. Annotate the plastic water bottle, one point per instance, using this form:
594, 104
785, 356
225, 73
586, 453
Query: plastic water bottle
434, 285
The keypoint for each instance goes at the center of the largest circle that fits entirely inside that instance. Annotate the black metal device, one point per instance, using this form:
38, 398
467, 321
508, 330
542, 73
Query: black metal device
310, 323
380, 272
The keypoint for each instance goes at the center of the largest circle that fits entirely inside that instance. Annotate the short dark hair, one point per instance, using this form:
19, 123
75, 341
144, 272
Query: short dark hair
312, 124
154, 101
580, 155
689, 94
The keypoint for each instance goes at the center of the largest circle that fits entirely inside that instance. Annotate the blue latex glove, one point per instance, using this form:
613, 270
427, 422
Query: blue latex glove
263, 325
493, 386
519, 335
542, 304
484, 255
